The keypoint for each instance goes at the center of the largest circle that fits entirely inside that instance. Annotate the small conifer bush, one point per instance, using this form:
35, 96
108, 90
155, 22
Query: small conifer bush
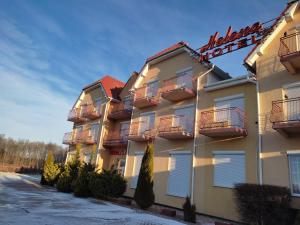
189, 211
81, 188
51, 171
144, 195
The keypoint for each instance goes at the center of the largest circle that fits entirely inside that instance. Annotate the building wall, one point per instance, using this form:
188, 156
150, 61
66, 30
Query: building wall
272, 76
162, 147
210, 199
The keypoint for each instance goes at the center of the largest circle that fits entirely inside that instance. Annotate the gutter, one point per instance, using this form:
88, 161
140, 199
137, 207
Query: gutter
259, 150
195, 134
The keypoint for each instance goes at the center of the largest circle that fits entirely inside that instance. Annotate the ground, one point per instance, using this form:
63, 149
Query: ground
24, 201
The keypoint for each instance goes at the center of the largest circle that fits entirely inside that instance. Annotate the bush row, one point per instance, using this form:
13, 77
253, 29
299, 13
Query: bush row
82, 179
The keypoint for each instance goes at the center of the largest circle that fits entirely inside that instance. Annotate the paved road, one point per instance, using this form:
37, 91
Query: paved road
24, 202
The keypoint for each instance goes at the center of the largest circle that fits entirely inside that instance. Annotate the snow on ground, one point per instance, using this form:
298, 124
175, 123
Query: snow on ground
24, 201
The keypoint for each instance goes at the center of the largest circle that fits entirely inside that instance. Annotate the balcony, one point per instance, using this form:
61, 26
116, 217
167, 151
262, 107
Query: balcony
226, 122
119, 111
144, 98
140, 131
178, 88
86, 137
289, 52
90, 111
75, 116
69, 139
116, 140
285, 116
176, 127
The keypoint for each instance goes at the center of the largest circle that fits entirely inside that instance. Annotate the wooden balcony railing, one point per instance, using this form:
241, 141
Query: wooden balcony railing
178, 88
145, 97
176, 127
289, 52
69, 138
120, 110
75, 115
226, 122
116, 139
141, 131
285, 116
86, 137
90, 111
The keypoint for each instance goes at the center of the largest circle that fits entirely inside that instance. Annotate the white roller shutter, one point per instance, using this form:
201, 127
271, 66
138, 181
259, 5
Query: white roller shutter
179, 174
229, 169
136, 169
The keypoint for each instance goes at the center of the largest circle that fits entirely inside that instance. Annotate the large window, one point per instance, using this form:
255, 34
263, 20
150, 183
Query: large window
147, 121
136, 169
185, 118
179, 174
294, 165
229, 168
152, 88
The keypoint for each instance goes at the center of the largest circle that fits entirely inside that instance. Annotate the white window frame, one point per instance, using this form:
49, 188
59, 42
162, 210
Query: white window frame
289, 153
179, 152
227, 153
133, 169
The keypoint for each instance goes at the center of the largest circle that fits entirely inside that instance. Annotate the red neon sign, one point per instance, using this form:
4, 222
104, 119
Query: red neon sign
232, 41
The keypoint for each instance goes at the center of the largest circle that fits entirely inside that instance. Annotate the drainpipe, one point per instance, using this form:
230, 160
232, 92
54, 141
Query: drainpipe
260, 163
102, 130
128, 146
195, 134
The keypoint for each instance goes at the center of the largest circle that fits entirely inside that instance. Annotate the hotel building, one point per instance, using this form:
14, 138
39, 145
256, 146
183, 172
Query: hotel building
209, 130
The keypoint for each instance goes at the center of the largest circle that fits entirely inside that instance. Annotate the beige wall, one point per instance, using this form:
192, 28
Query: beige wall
162, 147
272, 75
219, 201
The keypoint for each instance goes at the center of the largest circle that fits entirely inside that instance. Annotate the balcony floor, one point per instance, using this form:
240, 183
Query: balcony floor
114, 143
224, 132
138, 138
291, 62
120, 115
178, 94
144, 103
287, 128
91, 116
76, 119
176, 135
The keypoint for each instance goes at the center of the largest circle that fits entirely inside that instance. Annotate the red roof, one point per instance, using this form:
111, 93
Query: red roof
167, 50
111, 86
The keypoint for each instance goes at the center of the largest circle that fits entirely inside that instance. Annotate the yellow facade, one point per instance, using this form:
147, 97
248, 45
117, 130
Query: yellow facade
260, 152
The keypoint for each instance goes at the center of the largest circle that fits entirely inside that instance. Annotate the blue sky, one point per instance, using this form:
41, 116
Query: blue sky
50, 49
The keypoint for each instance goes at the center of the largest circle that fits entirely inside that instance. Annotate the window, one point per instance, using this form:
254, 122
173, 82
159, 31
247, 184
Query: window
146, 122
179, 174
121, 166
185, 118
124, 129
152, 88
294, 166
184, 78
229, 169
94, 131
136, 169
98, 105
87, 158
291, 106
229, 115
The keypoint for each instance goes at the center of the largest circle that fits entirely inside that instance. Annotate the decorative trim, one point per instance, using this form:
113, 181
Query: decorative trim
241, 95
184, 70
228, 152
183, 106
293, 152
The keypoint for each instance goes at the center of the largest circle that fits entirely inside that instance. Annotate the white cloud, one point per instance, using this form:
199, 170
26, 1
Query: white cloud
30, 108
